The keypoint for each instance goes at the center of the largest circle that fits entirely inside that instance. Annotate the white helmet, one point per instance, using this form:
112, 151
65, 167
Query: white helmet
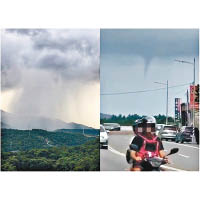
150, 119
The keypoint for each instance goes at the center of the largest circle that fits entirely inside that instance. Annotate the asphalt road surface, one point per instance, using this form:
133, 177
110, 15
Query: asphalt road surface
113, 159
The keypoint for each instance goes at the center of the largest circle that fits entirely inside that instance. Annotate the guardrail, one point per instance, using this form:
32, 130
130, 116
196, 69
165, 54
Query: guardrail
126, 128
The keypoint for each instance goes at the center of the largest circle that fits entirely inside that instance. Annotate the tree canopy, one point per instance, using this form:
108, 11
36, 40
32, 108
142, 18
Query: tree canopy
85, 157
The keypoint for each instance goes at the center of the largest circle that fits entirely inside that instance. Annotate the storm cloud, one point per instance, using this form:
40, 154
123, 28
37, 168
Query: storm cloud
70, 54
49, 69
149, 43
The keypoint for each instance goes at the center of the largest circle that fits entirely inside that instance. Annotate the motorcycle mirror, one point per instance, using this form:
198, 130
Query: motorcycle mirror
134, 147
173, 151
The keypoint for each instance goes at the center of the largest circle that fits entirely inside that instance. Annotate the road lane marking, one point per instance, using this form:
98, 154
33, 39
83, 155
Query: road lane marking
183, 155
182, 145
115, 151
162, 166
171, 168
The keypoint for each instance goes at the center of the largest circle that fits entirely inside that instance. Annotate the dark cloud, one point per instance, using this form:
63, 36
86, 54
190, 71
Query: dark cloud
10, 79
150, 43
71, 54
29, 32
52, 61
84, 45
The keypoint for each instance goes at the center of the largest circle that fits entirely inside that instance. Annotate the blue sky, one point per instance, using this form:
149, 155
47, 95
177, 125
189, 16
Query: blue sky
133, 59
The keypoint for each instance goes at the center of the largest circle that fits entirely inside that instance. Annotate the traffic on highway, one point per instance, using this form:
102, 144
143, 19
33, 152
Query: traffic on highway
149, 101
114, 158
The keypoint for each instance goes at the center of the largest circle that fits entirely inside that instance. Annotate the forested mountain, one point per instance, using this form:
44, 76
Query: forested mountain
21, 140
40, 150
84, 157
92, 132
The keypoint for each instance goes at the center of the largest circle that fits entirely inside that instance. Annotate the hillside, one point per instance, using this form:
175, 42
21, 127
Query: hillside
105, 116
92, 132
27, 122
21, 140
4, 125
79, 158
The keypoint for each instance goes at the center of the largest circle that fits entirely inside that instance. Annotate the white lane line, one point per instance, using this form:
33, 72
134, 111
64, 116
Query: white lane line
183, 155
116, 152
162, 166
182, 145
170, 168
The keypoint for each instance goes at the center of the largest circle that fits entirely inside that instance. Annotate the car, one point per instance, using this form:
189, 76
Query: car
103, 137
112, 126
168, 132
158, 128
185, 134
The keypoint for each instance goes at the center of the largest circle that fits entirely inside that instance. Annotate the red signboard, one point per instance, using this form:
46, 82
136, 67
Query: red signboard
193, 103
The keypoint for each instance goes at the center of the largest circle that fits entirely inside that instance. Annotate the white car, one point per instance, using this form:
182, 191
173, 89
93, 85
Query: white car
103, 137
159, 128
112, 126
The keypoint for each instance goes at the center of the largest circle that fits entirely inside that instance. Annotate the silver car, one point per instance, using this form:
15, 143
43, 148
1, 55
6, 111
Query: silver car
103, 137
168, 132
112, 126
158, 128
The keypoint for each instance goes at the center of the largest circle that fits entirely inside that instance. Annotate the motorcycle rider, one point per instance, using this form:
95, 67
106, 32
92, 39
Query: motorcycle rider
149, 145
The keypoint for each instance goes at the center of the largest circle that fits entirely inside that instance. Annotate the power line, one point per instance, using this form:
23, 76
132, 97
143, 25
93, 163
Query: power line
142, 91
181, 91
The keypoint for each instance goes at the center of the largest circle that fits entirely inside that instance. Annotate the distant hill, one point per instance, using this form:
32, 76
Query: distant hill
27, 122
73, 125
4, 125
105, 116
85, 131
21, 140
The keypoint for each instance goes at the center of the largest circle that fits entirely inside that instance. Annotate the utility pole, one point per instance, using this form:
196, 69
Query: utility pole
193, 109
194, 96
167, 100
191, 63
187, 109
167, 106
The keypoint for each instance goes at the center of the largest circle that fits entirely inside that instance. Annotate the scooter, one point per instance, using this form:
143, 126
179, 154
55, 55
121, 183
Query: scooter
149, 163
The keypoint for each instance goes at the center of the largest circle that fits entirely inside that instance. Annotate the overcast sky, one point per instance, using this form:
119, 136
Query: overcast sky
52, 73
133, 59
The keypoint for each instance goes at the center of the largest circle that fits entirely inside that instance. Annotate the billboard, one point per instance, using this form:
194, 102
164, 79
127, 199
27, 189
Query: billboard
194, 97
177, 108
184, 116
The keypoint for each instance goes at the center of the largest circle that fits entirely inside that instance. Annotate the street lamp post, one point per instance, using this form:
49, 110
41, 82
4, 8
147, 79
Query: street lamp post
167, 105
167, 100
191, 63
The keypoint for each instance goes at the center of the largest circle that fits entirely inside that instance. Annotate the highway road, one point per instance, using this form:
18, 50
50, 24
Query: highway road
113, 159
